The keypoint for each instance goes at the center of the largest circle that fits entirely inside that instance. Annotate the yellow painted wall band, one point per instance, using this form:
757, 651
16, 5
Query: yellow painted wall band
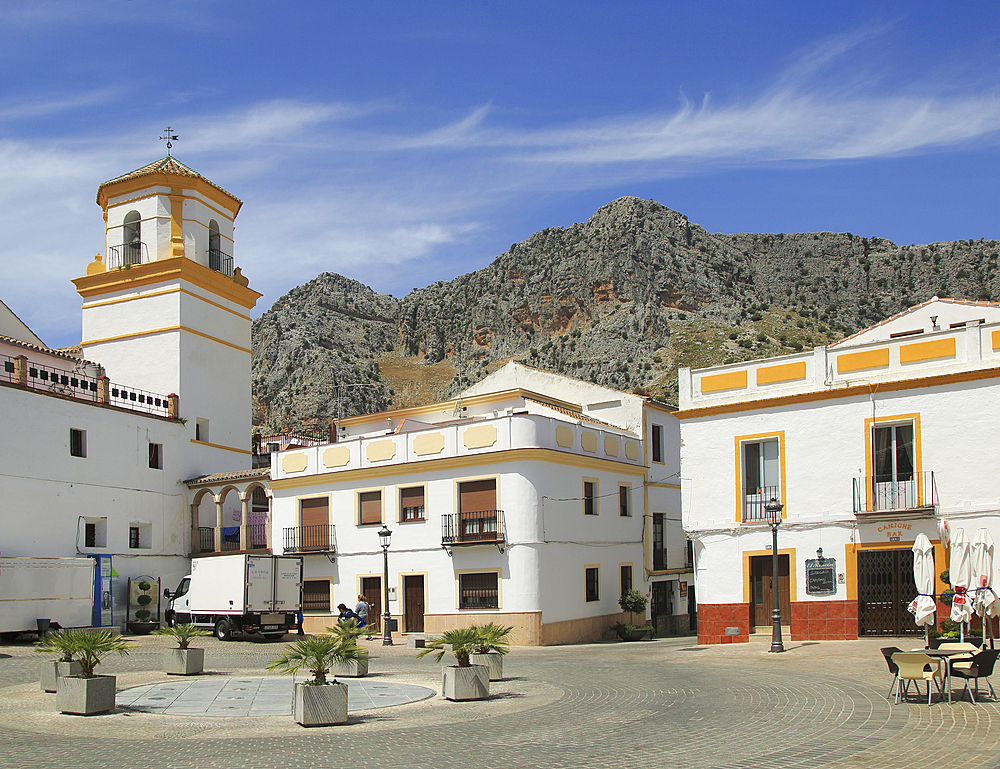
860, 361
162, 292
224, 448
932, 350
731, 380
152, 331
787, 372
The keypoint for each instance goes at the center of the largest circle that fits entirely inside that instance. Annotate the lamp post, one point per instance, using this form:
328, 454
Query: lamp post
384, 536
773, 509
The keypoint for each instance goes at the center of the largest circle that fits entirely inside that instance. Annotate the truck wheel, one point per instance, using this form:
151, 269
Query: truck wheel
224, 630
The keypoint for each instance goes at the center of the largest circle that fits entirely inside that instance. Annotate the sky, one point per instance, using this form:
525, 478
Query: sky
401, 144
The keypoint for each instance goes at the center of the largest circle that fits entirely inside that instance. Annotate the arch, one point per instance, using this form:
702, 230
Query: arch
214, 238
132, 238
248, 492
200, 495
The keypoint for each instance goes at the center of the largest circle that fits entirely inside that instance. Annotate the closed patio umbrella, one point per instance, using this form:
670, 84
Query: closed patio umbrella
961, 579
986, 602
923, 574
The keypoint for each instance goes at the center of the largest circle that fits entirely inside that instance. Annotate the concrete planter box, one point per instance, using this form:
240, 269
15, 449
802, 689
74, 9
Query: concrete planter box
183, 662
493, 661
52, 670
320, 705
85, 696
352, 669
468, 683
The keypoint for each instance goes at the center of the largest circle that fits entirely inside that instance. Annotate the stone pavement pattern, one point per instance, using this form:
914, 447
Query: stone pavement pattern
662, 703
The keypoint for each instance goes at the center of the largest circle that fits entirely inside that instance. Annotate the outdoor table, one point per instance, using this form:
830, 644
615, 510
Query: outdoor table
944, 655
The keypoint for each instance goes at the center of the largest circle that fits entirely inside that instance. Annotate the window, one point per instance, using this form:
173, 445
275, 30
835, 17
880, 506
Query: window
132, 238
316, 595
411, 504
657, 443
626, 578
314, 529
593, 583
761, 476
140, 536
659, 549
369, 508
590, 497
624, 500
95, 532
892, 467
156, 456
77, 443
479, 591
201, 430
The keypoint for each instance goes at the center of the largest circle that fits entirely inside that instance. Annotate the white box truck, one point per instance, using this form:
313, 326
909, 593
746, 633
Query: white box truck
239, 594
60, 590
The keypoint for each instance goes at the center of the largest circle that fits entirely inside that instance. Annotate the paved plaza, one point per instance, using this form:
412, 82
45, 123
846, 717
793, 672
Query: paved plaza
667, 702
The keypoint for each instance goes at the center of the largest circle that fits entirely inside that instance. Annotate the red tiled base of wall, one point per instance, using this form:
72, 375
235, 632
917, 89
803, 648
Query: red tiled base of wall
714, 618
824, 620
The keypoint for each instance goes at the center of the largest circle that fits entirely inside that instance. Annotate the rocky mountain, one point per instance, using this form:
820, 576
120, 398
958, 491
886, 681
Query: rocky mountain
622, 299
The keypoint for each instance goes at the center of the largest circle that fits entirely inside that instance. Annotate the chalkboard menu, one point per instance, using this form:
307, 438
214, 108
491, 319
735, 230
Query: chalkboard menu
821, 576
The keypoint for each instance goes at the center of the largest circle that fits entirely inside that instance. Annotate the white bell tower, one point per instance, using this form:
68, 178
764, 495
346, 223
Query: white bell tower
165, 311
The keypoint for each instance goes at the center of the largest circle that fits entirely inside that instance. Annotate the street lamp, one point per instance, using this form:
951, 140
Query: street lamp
384, 536
773, 509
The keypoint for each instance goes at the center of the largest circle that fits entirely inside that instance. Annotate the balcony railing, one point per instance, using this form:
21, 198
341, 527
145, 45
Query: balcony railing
753, 504
874, 495
311, 539
206, 539
127, 255
473, 528
231, 538
220, 262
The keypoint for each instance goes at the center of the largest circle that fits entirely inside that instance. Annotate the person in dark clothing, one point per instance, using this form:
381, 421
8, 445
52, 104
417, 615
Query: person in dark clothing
346, 614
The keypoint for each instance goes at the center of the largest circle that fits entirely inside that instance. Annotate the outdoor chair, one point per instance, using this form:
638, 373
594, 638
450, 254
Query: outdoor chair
887, 652
913, 666
962, 662
981, 666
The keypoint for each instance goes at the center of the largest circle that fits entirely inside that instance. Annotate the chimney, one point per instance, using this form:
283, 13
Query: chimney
333, 432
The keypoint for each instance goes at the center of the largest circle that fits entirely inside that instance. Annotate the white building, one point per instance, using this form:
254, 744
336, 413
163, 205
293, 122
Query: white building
96, 453
531, 500
866, 443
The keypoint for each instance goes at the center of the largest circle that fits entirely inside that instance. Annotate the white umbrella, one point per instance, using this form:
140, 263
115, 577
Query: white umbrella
961, 578
986, 601
923, 574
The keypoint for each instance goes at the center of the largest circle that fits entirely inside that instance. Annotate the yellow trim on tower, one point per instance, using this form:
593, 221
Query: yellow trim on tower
215, 194
162, 292
936, 348
167, 270
163, 330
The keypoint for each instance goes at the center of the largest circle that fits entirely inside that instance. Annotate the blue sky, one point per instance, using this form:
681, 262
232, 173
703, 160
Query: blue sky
408, 143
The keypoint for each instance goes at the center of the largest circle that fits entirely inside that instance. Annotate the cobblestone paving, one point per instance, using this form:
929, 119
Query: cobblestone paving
662, 703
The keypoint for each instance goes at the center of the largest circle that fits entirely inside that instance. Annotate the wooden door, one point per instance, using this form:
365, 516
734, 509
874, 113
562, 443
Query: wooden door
413, 606
371, 589
762, 590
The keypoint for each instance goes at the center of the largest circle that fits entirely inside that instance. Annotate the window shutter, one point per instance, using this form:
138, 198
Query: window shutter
412, 497
475, 496
315, 512
370, 504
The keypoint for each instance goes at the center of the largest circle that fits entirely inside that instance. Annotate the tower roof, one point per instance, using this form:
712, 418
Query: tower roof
166, 166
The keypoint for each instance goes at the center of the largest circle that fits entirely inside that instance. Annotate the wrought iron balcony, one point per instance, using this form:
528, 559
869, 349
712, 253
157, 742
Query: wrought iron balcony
206, 539
220, 262
311, 539
753, 504
257, 538
874, 495
127, 255
480, 527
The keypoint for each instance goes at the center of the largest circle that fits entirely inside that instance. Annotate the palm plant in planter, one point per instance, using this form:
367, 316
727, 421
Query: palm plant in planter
491, 647
634, 603
87, 693
183, 661
349, 631
463, 681
319, 702
59, 642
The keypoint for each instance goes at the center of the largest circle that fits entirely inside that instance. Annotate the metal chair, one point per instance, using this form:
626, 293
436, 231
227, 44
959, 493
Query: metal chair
887, 652
913, 666
981, 666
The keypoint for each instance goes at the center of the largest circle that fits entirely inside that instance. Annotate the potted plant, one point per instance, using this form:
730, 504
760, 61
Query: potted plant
144, 622
354, 668
634, 603
491, 647
463, 681
60, 642
87, 693
183, 661
319, 702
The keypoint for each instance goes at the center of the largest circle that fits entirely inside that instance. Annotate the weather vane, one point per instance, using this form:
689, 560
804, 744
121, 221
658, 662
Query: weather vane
170, 137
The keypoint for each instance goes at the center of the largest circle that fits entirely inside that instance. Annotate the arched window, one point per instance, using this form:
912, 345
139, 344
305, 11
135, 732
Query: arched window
132, 238
214, 241
217, 260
